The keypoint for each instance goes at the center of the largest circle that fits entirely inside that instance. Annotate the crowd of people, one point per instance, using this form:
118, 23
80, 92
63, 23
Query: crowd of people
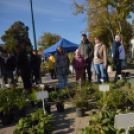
24, 65
87, 54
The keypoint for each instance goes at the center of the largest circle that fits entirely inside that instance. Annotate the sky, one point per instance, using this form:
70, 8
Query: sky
54, 16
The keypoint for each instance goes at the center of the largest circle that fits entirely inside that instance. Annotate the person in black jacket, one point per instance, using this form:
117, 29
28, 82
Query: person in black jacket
87, 52
9, 67
23, 68
35, 66
115, 50
2, 66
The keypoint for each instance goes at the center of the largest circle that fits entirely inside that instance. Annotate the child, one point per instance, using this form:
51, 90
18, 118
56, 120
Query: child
79, 64
62, 64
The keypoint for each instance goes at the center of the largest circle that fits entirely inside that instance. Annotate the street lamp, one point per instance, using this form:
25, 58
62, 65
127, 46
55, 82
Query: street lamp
33, 25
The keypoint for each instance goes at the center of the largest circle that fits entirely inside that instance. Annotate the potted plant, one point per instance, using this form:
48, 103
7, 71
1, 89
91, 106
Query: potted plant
48, 108
102, 121
23, 126
53, 95
64, 93
37, 124
80, 101
7, 115
60, 103
34, 100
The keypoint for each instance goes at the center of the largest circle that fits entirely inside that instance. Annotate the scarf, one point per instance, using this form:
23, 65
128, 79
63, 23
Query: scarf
97, 48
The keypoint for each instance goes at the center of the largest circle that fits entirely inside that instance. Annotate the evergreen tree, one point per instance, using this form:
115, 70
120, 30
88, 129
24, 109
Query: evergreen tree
17, 34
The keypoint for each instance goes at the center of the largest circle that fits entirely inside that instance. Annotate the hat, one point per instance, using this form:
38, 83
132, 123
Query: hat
78, 51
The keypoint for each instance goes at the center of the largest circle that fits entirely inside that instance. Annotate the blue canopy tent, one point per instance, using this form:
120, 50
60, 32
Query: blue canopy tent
109, 53
67, 46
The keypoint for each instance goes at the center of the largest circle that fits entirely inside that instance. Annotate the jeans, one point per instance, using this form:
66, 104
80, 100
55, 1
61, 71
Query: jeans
88, 67
118, 70
62, 81
99, 68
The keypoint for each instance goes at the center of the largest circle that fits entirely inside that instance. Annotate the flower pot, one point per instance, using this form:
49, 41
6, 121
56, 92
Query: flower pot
6, 119
1, 115
79, 112
110, 68
48, 108
32, 104
22, 111
39, 104
60, 107
36, 104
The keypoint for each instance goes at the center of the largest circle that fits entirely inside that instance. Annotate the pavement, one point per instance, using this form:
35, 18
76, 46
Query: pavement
66, 122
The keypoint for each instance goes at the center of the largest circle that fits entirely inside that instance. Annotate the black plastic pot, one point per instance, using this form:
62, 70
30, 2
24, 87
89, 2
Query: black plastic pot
123, 74
32, 104
6, 119
22, 111
60, 107
1, 115
48, 108
79, 112
39, 104
36, 104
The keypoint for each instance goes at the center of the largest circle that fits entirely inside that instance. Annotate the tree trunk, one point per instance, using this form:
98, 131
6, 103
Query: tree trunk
120, 26
110, 26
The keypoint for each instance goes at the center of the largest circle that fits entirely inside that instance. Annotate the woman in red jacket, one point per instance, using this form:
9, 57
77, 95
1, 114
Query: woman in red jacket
79, 64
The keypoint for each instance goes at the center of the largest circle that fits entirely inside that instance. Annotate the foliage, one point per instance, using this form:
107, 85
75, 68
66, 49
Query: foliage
17, 34
105, 18
12, 98
47, 40
120, 83
102, 122
81, 97
71, 56
43, 122
53, 95
33, 96
111, 61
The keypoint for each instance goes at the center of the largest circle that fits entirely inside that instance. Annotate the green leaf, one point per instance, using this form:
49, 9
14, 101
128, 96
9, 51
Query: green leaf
27, 124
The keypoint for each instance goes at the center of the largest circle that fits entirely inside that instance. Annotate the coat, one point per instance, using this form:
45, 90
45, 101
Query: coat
52, 62
115, 49
79, 63
87, 51
62, 64
102, 55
